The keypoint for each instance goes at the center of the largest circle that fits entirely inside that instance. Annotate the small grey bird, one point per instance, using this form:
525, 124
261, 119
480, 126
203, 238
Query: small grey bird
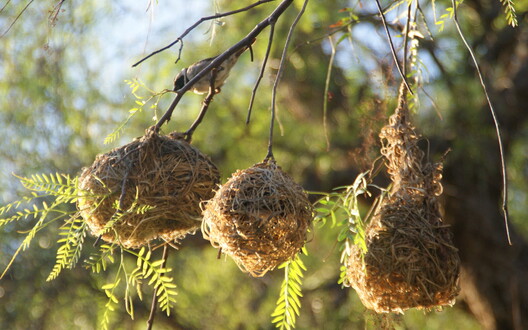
202, 85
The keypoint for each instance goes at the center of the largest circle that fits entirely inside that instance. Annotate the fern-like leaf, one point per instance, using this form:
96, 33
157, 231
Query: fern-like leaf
62, 186
99, 261
342, 207
141, 103
116, 133
449, 14
19, 215
509, 9
157, 277
72, 235
288, 305
111, 303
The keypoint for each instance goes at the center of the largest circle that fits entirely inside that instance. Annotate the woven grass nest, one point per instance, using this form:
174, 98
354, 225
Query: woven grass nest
410, 260
164, 173
259, 217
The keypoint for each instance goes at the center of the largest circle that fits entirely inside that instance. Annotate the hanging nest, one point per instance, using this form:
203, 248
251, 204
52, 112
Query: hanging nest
260, 218
150, 188
410, 260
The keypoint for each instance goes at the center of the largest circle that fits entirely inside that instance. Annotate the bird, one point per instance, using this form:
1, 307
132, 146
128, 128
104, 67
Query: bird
202, 85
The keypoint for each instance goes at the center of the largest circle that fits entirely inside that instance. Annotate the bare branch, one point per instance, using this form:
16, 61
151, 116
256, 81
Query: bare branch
16, 18
5, 5
406, 40
54, 13
495, 121
269, 155
279, 74
325, 96
393, 51
360, 19
245, 42
261, 74
192, 27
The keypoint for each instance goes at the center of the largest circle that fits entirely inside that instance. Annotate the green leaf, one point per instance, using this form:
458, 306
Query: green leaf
156, 276
288, 304
157, 263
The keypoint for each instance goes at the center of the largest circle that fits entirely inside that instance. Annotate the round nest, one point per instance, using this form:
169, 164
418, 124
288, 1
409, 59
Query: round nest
260, 218
150, 188
410, 260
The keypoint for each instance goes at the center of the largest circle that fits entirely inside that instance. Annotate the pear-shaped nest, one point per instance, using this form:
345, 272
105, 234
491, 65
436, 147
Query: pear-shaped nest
150, 188
410, 261
259, 217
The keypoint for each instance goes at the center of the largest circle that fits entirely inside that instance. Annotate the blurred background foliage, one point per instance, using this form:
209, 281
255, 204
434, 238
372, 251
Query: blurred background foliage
62, 91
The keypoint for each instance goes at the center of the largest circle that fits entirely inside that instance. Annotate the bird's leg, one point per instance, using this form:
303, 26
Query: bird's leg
205, 105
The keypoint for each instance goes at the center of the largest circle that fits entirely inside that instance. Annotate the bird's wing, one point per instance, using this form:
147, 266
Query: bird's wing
198, 66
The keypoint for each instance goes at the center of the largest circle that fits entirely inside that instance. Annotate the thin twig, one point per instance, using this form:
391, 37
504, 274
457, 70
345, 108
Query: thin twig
279, 74
325, 96
192, 27
495, 121
424, 18
360, 18
261, 74
16, 18
5, 5
393, 51
269, 155
179, 52
205, 106
152, 315
406, 40
245, 42
54, 14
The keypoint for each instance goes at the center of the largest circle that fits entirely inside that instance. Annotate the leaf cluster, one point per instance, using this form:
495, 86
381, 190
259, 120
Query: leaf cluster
59, 189
141, 102
157, 275
342, 208
509, 10
289, 303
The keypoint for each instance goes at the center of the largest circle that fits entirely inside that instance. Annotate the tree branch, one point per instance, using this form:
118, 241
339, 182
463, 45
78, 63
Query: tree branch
245, 42
192, 27
16, 18
393, 51
279, 74
261, 74
495, 121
